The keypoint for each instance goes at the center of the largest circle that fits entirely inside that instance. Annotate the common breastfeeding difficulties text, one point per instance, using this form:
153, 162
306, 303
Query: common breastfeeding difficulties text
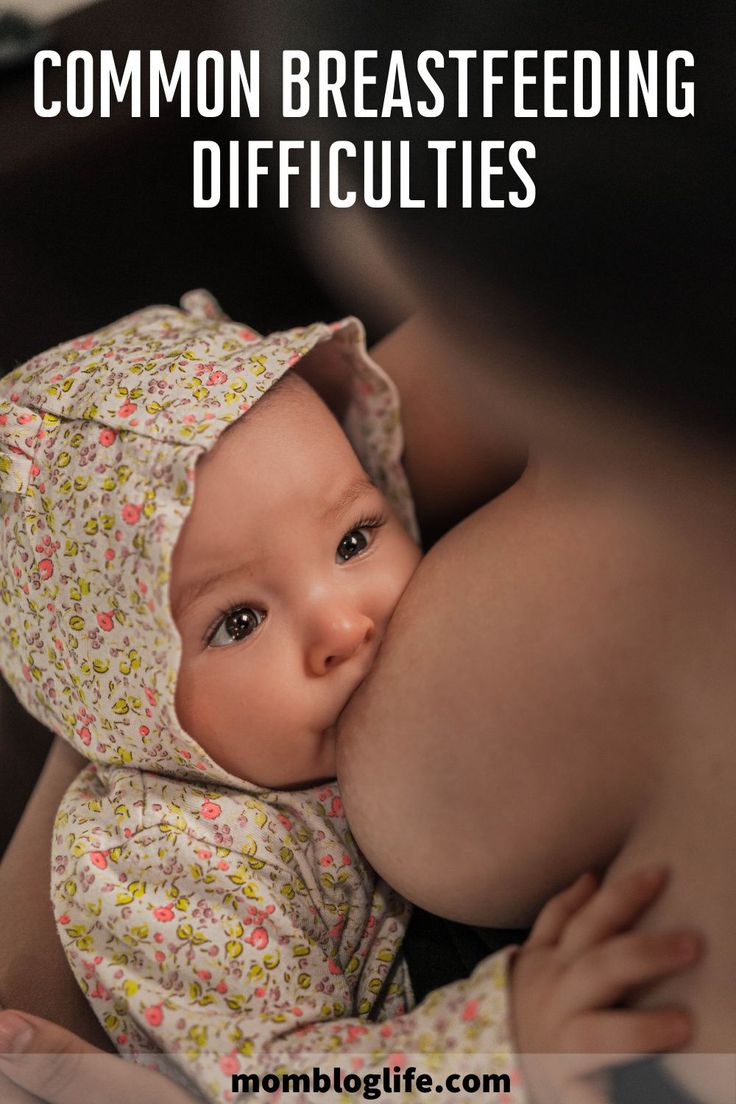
430, 90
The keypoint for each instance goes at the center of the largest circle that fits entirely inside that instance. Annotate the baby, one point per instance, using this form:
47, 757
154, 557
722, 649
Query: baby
197, 640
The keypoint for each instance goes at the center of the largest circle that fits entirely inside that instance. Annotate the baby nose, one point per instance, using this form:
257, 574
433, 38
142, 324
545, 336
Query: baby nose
338, 635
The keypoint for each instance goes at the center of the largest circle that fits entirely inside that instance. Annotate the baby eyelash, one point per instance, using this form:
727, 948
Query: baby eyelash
374, 521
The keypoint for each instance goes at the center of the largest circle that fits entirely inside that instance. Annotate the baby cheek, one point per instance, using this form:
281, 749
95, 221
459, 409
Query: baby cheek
407, 558
192, 703
209, 696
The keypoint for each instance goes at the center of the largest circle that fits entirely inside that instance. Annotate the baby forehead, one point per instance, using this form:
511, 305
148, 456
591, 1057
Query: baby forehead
290, 417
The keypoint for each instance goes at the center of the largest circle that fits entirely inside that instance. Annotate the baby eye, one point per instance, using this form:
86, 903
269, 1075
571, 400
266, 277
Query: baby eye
357, 539
352, 544
237, 624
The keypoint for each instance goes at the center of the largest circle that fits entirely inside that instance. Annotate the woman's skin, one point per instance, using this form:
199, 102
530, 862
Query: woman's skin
555, 692
578, 636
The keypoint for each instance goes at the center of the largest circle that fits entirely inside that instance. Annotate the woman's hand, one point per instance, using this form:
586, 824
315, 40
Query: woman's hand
41, 1061
580, 961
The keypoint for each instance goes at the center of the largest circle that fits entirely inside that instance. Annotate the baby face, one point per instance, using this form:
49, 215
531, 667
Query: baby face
284, 578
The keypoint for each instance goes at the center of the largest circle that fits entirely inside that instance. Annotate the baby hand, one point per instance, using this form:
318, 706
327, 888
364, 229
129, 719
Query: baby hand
579, 962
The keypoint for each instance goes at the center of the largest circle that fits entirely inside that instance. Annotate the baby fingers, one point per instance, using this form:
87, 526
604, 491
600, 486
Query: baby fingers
616, 906
558, 911
604, 975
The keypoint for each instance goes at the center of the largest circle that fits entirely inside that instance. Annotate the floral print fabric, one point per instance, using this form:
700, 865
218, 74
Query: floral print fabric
227, 926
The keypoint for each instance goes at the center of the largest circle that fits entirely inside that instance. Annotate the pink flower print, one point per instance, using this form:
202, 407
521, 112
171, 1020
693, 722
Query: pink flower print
164, 913
334, 967
109, 554
83, 343
210, 810
205, 975
204, 853
158, 937
346, 859
127, 409
64, 919
159, 956
131, 513
259, 991
217, 377
247, 335
355, 1031
229, 1064
98, 859
326, 860
154, 1015
470, 1011
150, 695
85, 735
285, 822
386, 1031
46, 568
223, 865
221, 987
336, 807
27, 673
258, 938
107, 436
23, 418
105, 621
122, 1040
396, 1059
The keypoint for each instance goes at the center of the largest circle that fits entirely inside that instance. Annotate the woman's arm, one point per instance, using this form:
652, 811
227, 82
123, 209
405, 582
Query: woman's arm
34, 974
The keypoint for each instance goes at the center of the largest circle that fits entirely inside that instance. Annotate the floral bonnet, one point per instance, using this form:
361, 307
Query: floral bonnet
99, 438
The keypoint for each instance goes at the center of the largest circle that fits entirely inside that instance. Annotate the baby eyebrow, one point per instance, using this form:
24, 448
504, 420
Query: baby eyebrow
358, 487
197, 587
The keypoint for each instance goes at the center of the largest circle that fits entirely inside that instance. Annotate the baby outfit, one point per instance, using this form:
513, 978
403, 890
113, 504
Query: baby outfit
234, 929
